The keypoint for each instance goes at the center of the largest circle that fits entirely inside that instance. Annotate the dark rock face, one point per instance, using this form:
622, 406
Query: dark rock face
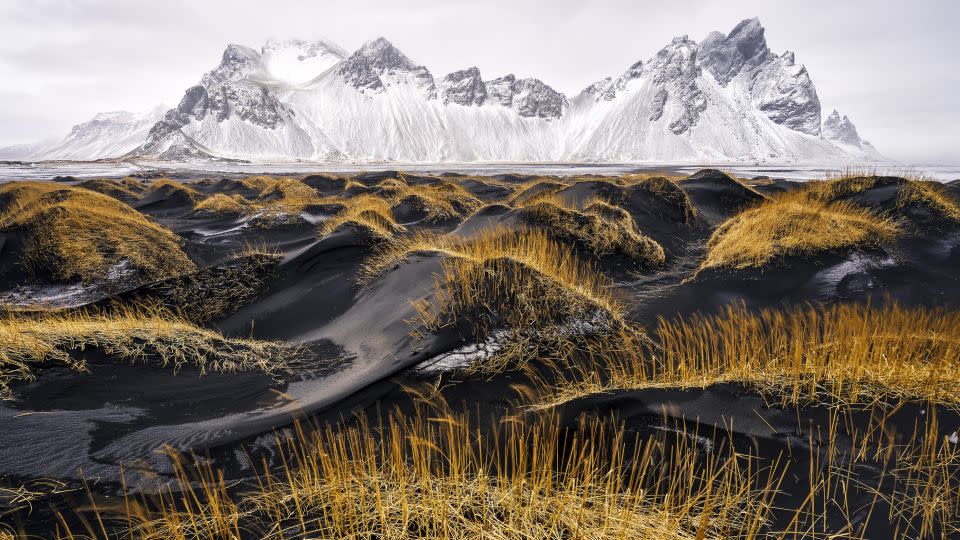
236, 64
778, 87
785, 93
365, 69
656, 106
675, 70
529, 97
254, 104
726, 56
464, 87
501, 89
841, 130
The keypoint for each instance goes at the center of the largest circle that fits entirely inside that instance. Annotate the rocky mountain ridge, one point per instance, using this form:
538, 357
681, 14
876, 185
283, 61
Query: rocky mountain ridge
725, 98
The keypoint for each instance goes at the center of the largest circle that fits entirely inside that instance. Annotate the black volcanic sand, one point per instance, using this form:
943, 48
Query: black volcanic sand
359, 349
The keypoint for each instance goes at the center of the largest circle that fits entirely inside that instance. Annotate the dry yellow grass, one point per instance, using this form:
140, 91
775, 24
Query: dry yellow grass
436, 477
531, 190
520, 285
279, 201
794, 224
366, 211
282, 202
440, 201
77, 234
117, 190
914, 191
850, 353
528, 248
169, 187
223, 205
603, 229
259, 183
125, 333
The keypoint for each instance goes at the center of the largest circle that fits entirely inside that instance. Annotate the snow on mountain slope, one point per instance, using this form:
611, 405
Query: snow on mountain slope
726, 98
297, 61
842, 132
106, 135
667, 108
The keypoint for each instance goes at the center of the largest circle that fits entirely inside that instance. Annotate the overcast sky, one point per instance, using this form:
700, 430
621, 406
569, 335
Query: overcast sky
890, 65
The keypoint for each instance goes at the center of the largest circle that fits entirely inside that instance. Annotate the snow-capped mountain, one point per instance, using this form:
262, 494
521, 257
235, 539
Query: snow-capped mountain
106, 135
725, 98
842, 132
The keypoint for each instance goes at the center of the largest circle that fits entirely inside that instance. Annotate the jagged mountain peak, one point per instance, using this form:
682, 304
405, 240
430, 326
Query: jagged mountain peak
384, 55
463, 87
726, 56
530, 97
840, 129
676, 60
237, 62
366, 68
725, 98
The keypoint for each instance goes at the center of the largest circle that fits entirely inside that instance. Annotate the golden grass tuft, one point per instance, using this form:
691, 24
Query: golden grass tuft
112, 188
914, 191
601, 228
169, 186
76, 234
366, 211
848, 353
219, 204
436, 477
124, 333
794, 224
282, 201
520, 285
537, 188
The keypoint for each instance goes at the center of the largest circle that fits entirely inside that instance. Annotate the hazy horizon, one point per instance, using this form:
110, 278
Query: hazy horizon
891, 71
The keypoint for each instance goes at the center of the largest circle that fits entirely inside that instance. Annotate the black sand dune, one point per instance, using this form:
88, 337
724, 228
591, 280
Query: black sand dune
362, 348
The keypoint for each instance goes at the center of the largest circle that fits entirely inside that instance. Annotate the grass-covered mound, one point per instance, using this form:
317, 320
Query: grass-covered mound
519, 286
920, 202
432, 202
209, 293
222, 205
717, 195
365, 212
267, 201
126, 334
68, 234
600, 229
532, 189
122, 191
794, 224
283, 202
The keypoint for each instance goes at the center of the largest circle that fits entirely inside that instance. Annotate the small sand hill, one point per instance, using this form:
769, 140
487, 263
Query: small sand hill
795, 225
326, 184
62, 233
223, 205
125, 192
920, 205
657, 205
486, 189
248, 188
717, 195
166, 196
857, 213
600, 230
